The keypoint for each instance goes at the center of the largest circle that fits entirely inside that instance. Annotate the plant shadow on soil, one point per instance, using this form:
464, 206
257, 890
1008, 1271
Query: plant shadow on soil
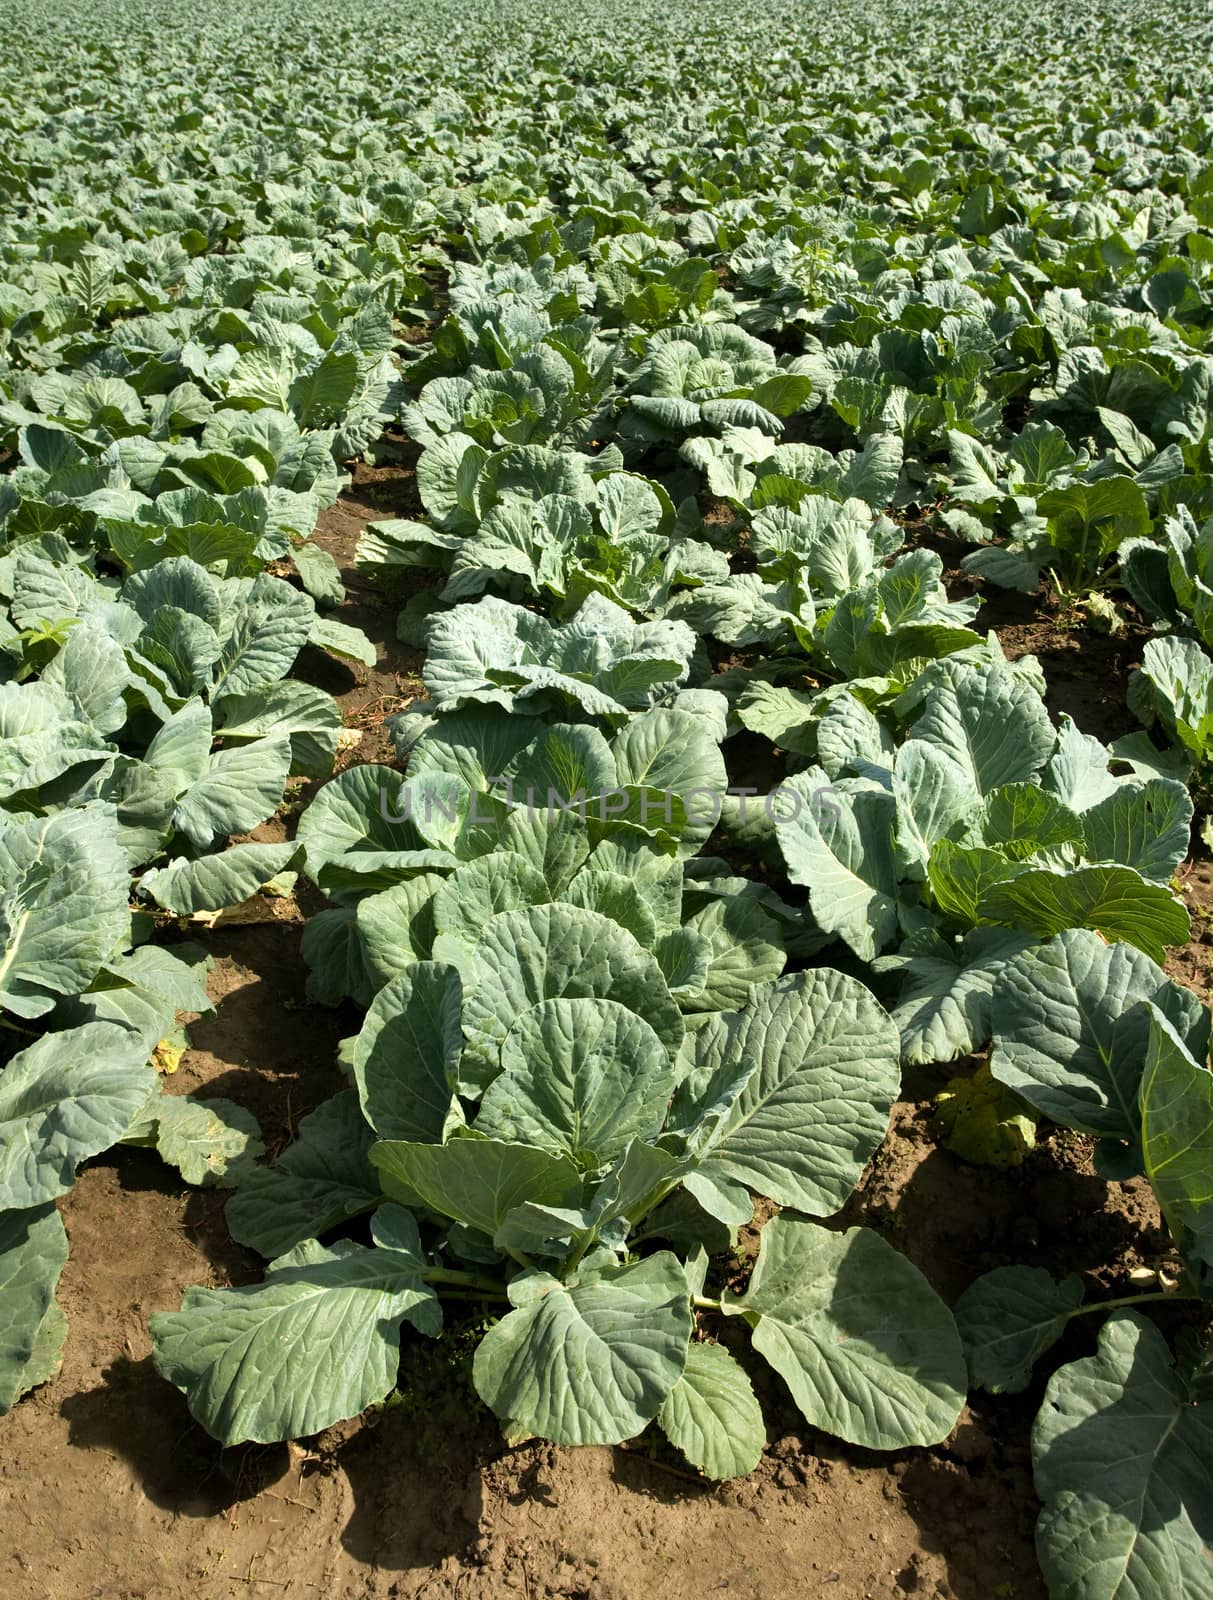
429, 1483
470, 1508
429, 1487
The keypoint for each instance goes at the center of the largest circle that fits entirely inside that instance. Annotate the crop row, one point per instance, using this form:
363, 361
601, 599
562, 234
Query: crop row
698, 404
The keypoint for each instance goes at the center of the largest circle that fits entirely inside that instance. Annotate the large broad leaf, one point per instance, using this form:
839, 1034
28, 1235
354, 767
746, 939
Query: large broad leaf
91, 669
872, 474
656, 877
51, 589
975, 471
319, 572
181, 749
602, 660
478, 890
44, 749
1177, 1134
1090, 520
1024, 820
266, 632
900, 656
396, 926
785, 717
993, 723
554, 952
816, 1108
711, 1415
829, 548
372, 828
1123, 1460
616, 896
517, 538
1146, 826
323, 394
743, 948
1008, 1318
340, 639
67, 1097
1078, 770
177, 583
563, 767
476, 745
178, 650
219, 547
850, 740
1070, 1036
1182, 678
475, 1181
213, 882
673, 752
684, 957
144, 990
943, 1009
406, 1058
63, 905
208, 1141
332, 947
359, 810
318, 1341
867, 1348
322, 1179
444, 475
33, 1249
1115, 900
933, 791
308, 715
555, 844
590, 1362
962, 876
581, 1078
840, 844
240, 788
1040, 456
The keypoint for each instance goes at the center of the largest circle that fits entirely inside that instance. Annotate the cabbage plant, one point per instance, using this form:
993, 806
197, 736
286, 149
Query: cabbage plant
535, 1129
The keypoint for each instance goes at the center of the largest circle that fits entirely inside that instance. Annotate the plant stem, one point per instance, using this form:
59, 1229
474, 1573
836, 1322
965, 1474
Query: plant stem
635, 1239
467, 1280
654, 1198
1156, 1295
473, 1296
573, 1261
703, 1302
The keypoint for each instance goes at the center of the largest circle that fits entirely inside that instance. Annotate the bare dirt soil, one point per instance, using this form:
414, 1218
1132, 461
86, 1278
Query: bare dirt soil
108, 1489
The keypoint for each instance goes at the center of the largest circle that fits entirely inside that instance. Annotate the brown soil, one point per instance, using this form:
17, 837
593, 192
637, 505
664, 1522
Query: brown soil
108, 1489
1086, 668
1192, 963
367, 698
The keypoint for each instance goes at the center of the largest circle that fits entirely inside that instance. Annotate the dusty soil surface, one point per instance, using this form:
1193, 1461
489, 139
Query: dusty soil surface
107, 1488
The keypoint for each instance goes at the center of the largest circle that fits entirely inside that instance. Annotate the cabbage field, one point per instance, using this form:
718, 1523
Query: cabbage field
606, 800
